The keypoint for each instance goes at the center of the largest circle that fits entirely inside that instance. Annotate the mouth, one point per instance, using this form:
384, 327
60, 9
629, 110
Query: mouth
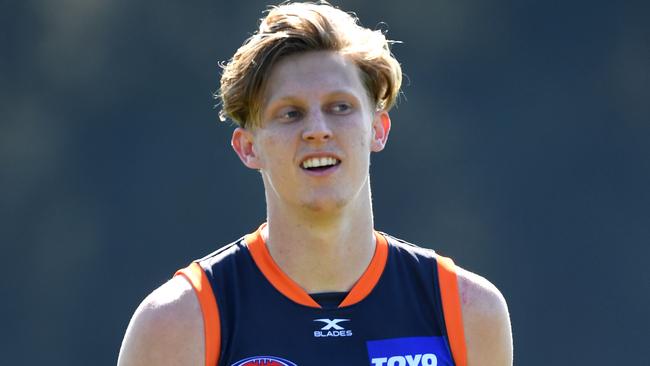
319, 164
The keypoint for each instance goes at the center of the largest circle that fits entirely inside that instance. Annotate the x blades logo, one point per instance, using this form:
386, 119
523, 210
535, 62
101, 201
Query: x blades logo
332, 328
264, 361
332, 323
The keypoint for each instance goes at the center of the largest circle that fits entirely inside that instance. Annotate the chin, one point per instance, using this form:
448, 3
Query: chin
326, 205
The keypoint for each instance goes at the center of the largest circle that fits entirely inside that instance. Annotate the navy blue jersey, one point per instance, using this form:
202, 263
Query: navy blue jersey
403, 311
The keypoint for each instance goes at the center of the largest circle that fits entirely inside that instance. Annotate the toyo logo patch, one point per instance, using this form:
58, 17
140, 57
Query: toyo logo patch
412, 351
264, 361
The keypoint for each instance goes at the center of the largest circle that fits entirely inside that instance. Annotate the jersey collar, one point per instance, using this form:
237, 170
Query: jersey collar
289, 288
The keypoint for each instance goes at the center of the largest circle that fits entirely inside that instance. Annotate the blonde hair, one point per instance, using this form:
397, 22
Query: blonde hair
292, 28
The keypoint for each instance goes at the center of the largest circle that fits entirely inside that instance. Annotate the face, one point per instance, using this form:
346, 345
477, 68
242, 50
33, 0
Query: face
317, 130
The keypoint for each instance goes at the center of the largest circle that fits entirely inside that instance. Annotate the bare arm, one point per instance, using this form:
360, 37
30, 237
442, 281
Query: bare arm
166, 329
486, 321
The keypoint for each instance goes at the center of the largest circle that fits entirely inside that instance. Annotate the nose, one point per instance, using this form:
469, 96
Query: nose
316, 128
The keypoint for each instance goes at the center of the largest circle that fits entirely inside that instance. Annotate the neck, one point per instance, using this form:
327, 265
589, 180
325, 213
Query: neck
322, 253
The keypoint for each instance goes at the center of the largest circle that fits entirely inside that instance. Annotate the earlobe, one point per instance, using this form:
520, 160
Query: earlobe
381, 128
242, 142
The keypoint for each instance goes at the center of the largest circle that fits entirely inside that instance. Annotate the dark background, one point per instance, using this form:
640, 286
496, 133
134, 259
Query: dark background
521, 148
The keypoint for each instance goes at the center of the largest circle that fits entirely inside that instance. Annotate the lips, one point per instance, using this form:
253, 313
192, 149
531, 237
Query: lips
319, 162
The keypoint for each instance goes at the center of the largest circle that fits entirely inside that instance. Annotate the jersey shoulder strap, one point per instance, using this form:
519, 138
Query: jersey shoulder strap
451, 307
449, 292
211, 322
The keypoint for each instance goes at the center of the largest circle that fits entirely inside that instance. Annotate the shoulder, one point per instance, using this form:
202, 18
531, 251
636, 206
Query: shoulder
166, 329
486, 321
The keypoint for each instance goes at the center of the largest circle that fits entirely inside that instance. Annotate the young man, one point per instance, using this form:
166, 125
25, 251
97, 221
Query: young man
316, 284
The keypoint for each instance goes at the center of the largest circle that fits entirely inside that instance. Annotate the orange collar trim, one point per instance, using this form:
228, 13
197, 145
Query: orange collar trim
293, 291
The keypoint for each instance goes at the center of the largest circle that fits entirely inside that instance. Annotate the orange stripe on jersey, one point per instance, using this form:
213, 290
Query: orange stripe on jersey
451, 308
273, 273
293, 291
372, 274
211, 322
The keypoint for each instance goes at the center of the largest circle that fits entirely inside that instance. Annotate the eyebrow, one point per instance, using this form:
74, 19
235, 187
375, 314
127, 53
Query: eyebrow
283, 100
298, 100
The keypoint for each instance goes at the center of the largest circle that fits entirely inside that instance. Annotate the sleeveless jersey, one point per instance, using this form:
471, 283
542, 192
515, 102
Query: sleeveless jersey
403, 311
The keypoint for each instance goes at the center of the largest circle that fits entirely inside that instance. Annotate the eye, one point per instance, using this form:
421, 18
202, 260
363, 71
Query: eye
289, 114
341, 108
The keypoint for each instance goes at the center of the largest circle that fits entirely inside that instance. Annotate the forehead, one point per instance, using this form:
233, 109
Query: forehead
313, 74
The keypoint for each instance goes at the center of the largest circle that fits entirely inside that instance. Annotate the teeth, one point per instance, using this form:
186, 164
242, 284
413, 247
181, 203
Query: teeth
319, 162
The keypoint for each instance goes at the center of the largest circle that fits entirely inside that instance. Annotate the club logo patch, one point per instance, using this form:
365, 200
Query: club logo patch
413, 351
264, 361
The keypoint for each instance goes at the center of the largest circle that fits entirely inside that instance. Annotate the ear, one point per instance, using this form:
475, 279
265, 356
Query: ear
242, 142
380, 128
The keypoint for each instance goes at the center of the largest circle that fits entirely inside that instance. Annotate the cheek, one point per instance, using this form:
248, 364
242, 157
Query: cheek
357, 131
365, 137
275, 149
281, 134
364, 143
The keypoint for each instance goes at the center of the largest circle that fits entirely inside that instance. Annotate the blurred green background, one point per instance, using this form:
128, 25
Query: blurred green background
521, 148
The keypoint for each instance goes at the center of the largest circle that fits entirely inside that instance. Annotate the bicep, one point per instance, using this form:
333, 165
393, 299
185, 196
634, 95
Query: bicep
166, 329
